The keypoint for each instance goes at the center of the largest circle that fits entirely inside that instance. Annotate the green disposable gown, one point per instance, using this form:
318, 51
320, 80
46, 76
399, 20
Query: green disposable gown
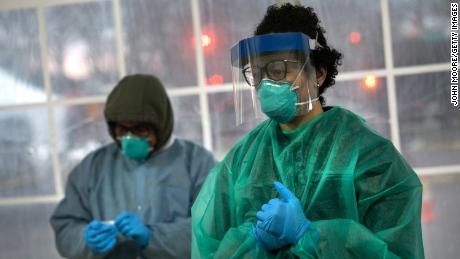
363, 199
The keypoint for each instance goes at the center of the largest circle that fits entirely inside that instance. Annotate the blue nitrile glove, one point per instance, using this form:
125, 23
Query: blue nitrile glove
268, 241
100, 237
131, 225
284, 217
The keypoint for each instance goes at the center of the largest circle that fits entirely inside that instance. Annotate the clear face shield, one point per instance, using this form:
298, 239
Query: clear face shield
276, 72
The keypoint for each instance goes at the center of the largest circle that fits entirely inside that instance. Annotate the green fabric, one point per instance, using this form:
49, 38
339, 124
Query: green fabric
363, 199
141, 98
135, 147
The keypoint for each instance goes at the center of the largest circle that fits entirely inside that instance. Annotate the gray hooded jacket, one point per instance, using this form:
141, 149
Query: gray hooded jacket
161, 190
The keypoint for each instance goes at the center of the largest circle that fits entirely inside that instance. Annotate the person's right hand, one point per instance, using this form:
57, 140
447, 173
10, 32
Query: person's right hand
100, 237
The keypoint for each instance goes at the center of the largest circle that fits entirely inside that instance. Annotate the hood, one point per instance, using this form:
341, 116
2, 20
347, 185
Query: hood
143, 99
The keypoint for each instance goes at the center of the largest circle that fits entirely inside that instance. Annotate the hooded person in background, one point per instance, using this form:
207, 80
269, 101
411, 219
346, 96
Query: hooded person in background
132, 198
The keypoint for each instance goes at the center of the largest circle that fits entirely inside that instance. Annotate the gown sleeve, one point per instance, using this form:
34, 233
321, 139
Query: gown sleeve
389, 198
71, 217
216, 230
172, 239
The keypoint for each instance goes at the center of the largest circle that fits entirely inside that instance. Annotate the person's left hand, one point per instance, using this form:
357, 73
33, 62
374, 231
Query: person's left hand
283, 217
131, 225
268, 241
100, 237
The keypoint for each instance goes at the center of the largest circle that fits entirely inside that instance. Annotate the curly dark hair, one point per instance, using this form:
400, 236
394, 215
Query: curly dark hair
289, 18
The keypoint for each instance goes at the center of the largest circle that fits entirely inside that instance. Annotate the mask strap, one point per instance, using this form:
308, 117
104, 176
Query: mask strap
309, 101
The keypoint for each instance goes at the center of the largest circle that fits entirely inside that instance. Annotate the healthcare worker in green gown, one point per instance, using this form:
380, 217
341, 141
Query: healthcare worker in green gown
132, 198
311, 181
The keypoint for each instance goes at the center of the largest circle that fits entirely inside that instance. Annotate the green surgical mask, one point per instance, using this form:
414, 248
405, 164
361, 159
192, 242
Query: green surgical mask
277, 99
135, 147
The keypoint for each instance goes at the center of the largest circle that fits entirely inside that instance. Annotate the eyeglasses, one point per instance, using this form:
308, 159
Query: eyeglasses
275, 70
141, 130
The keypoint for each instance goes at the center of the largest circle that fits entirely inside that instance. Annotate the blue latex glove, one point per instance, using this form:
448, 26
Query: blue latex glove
131, 225
284, 217
100, 237
268, 241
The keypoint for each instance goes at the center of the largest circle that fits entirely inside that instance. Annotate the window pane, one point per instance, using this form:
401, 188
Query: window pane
25, 160
158, 40
229, 21
81, 47
81, 129
26, 232
441, 223
420, 31
368, 100
187, 118
354, 29
429, 123
224, 131
21, 77
226, 22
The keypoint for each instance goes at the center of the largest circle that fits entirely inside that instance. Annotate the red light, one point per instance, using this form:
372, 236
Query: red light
354, 37
370, 82
206, 40
215, 79
428, 212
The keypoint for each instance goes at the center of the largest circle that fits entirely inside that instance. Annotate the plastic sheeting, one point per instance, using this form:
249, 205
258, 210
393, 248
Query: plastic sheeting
363, 199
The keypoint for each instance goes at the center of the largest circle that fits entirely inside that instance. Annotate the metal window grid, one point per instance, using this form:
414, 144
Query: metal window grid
389, 72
